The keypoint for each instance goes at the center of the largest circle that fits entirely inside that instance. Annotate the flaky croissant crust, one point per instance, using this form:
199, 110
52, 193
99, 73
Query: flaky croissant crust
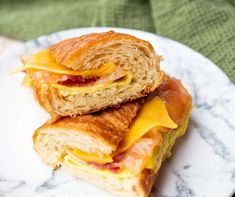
67, 51
131, 56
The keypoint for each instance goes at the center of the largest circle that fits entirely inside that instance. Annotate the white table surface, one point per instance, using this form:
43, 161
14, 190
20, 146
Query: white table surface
7, 43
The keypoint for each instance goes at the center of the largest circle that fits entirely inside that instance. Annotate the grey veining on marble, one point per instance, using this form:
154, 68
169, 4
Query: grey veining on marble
202, 163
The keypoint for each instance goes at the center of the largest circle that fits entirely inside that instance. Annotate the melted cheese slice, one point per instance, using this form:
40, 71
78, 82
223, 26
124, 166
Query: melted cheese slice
71, 163
92, 157
65, 90
27, 81
154, 162
152, 114
44, 61
164, 151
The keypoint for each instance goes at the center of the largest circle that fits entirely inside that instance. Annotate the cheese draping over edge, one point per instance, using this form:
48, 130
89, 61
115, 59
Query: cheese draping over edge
152, 114
44, 61
152, 163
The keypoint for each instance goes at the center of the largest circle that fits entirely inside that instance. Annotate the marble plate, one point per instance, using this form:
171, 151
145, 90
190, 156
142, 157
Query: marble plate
203, 161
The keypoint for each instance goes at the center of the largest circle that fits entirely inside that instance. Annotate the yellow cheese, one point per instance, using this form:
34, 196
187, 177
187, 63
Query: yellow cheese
27, 81
44, 61
153, 162
92, 157
164, 151
65, 90
70, 162
152, 114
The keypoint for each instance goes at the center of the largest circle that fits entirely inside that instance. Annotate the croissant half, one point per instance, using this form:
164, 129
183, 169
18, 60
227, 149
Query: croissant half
100, 133
100, 70
119, 149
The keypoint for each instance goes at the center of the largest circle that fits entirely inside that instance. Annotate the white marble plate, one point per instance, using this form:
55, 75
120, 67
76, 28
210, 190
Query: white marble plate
203, 161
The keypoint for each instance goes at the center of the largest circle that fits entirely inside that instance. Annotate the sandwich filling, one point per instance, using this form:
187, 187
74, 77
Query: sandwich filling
149, 139
124, 169
43, 68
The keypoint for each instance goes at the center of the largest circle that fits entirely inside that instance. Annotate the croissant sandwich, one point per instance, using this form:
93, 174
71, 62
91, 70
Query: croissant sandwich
91, 72
119, 149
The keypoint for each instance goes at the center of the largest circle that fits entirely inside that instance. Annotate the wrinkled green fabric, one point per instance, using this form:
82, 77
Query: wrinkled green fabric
207, 26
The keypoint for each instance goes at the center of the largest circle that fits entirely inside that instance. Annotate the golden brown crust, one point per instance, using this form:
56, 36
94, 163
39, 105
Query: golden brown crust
147, 179
139, 185
45, 103
64, 52
90, 51
121, 117
110, 125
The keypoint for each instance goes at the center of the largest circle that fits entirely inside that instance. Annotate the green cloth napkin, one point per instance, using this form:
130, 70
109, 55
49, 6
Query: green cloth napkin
207, 26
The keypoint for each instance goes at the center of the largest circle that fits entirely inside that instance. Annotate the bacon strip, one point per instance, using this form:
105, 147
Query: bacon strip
74, 81
112, 167
70, 80
177, 99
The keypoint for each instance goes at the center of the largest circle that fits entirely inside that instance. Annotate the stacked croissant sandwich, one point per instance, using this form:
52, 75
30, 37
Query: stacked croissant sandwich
114, 114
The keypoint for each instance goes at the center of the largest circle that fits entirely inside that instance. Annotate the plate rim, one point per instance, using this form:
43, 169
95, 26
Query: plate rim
15, 48
21, 45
